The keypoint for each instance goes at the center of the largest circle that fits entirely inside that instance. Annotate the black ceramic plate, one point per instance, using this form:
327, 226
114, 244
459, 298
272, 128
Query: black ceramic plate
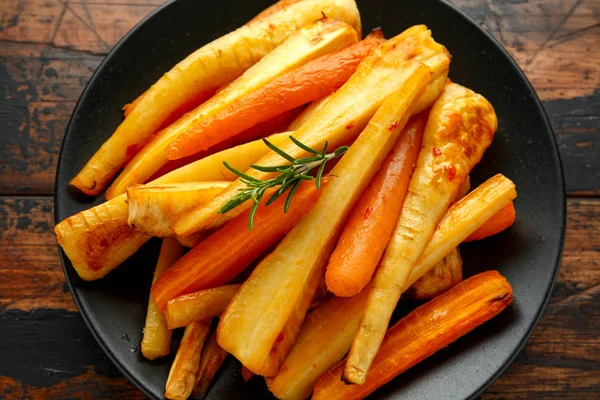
524, 149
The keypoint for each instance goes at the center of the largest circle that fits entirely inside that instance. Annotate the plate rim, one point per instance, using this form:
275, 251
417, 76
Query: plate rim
108, 351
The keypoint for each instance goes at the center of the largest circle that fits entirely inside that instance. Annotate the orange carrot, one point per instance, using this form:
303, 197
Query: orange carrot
311, 81
280, 5
372, 221
424, 331
263, 129
226, 253
502, 220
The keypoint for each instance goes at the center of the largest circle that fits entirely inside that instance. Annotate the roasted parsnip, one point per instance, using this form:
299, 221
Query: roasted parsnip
254, 320
228, 251
182, 375
462, 219
306, 44
98, 240
210, 361
424, 331
199, 306
156, 341
346, 113
460, 128
212, 65
153, 209
323, 346
439, 279
500, 221
324, 339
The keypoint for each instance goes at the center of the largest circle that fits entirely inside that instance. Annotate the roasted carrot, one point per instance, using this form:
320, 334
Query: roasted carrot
310, 42
198, 306
423, 332
460, 128
502, 220
156, 341
330, 328
275, 294
97, 240
439, 279
311, 81
214, 64
346, 113
210, 361
182, 375
370, 225
226, 253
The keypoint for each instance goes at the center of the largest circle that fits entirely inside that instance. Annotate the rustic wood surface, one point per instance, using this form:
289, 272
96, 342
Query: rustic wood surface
50, 48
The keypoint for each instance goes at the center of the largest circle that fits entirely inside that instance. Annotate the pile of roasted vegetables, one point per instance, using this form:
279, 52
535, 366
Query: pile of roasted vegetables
316, 178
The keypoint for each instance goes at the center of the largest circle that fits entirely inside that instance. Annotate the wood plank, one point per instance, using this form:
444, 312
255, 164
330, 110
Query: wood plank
30, 20
562, 359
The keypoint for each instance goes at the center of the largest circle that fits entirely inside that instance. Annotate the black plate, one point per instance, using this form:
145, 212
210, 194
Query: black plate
524, 149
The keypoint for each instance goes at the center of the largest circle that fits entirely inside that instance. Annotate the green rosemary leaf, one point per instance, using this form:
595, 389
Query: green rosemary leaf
279, 151
324, 151
303, 146
240, 173
320, 175
251, 216
266, 169
308, 160
341, 150
288, 200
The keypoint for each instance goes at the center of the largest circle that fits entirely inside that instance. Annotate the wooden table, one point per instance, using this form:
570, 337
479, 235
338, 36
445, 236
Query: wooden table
50, 48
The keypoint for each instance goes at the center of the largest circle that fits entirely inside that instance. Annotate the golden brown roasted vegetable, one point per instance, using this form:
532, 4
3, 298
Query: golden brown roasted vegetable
156, 341
212, 65
98, 240
347, 112
153, 209
210, 361
306, 44
199, 306
424, 331
254, 323
460, 128
182, 375
439, 279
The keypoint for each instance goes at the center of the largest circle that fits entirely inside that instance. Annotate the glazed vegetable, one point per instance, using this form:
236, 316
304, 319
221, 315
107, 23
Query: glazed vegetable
343, 117
153, 209
460, 128
156, 341
324, 339
304, 116
462, 219
210, 361
180, 382
370, 225
502, 220
423, 332
228, 251
328, 335
305, 45
276, 292
97, 240
439, 279
198, 306
214, 64
311, 81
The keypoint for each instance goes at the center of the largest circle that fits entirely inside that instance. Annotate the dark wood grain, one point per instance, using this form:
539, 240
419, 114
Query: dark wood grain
50, 48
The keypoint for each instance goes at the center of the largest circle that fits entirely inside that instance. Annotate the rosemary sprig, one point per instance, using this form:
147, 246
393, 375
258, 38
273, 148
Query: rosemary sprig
288, 177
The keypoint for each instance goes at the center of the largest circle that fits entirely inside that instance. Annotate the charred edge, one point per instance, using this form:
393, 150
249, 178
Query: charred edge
506, 297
